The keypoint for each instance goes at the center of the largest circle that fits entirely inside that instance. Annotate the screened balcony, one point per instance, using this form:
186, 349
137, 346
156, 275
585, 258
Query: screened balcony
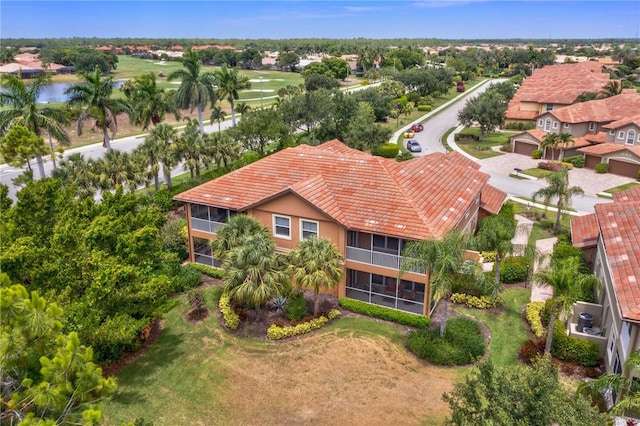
375, 249
209, 219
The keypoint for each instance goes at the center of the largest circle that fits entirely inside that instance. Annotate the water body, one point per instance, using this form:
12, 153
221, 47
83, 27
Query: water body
54, 92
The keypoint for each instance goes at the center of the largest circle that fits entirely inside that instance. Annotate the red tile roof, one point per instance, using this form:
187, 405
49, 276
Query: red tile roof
600, 110
631, 194
417, 199
492, 199
635, 119
584, 231
557, 84
602, 148
599, 137
619, 223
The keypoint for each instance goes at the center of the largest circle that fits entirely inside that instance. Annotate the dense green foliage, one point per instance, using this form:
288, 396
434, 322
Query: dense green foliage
381, 312
276, 332
296, 307
574, 350
103, 263
47, 376
462, 343
514, 269
518, 395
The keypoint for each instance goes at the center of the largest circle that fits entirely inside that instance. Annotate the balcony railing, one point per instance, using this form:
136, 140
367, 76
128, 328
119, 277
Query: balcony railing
206, 225
372, 257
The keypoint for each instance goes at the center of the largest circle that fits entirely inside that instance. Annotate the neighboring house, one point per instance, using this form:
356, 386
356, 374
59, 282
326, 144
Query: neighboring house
368, 206
552, 87
603, 130
611, 242
29, 65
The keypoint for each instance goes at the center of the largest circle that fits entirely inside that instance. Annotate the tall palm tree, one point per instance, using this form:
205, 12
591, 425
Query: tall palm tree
118, 168
443, 261
196, 88
569, 285
243, 108
554, 140
152, 149
253, 272
217, 115
166, 137
229, 83
149, 102
316, 263
612, 88
234, 233
558, 189
94, 95
24, 109
495, 234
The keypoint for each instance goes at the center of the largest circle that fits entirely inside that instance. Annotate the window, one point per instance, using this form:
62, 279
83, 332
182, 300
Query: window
625, 336
549, 107
308, 229
386, 244
547, 125
620, 135
631, 137
565, 125
612, 132
540, 122
612, 342
282, 226
592, 126
555, 124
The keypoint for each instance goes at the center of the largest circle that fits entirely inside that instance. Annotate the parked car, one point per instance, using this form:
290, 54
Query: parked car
417, 127
413, 146
409, 134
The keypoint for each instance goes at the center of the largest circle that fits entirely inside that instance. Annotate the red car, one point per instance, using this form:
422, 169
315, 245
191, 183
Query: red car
417, 127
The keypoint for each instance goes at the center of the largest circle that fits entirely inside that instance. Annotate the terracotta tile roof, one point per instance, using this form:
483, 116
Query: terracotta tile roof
600, 110
558, 84
492, 199
635, 119
602, 148
619, 223
417, 199
631, 194
584, 231
599, 137
578, 142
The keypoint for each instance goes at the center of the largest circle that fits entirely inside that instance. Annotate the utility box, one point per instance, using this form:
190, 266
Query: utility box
585, 320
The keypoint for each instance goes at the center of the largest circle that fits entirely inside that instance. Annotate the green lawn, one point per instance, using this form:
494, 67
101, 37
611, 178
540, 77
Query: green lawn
508, 331
537, 172
482, 149
621, 187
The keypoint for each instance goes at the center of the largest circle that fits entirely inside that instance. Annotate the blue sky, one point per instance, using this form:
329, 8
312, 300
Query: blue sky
459, 19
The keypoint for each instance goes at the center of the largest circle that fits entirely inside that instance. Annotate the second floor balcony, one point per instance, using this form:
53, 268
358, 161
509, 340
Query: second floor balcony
209, 219
379, 250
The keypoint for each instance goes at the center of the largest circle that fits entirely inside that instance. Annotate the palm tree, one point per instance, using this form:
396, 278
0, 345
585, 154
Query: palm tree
558, 188
317, 264
554, 140
118, 168
234, 233
243, 108
229, 82
569, 286
149, 102
217, 115
165, 137
94, 95
223, 149
24, 109
612, 88
443, 261
192, 148
627, 389
76, 170
196, 88
152, 150
253, 272
495, 234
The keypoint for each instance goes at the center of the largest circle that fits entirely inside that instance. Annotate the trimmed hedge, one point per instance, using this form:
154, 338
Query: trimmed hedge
536, 154
576, 160
533, 311
602, 168
514, 269
231, 319
208, 270
381, 312
463, 343
424, 108
573, 350
388, 150
482, 302
275, 332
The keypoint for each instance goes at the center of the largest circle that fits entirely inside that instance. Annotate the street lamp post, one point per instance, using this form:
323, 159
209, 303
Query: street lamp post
261, 91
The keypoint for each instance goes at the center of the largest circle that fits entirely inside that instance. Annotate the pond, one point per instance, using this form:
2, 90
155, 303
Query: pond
54, 92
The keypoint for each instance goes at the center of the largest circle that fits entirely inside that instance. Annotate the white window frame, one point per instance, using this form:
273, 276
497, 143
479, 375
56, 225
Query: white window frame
620, 135
275, 227
625, 337
547, 125
631, 137
541, 122
555, 124
612, 132
302, 230
612, 344
565, 125
592, 126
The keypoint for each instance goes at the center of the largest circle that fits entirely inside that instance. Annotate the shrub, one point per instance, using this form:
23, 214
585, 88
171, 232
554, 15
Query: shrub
554, 166
334, 313
564, 250
208, 270
482, 302
404, 156
197, 300
388, 150
365, 82
174, 239
296, 309
531, 350
462, 343
536, 154
533, 313
231, 319
275, 332
426, 108
116, 336
187, 278
381, 312
570, 349
576, 160
514, 269
489, 256
602, 168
